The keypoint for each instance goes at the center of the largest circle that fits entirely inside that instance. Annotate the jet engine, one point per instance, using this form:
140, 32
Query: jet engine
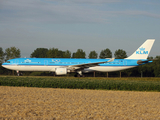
61, 71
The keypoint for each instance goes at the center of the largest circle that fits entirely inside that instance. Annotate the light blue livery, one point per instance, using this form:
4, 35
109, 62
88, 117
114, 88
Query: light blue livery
61, 66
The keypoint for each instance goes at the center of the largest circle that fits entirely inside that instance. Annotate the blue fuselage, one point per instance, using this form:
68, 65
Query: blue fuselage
49, 64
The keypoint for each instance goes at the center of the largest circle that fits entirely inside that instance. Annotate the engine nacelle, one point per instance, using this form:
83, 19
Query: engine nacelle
61, 71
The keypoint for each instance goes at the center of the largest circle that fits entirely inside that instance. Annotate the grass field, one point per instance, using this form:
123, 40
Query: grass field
31, 103
129, 84
78, 102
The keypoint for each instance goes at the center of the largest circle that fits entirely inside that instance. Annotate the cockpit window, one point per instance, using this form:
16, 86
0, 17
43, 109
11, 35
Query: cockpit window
8, 61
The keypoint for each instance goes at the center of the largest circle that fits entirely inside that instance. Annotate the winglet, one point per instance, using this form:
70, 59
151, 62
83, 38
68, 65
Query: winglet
143, 51
112, 59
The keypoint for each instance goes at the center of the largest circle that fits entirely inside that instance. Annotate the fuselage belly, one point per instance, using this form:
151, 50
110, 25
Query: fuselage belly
52, 68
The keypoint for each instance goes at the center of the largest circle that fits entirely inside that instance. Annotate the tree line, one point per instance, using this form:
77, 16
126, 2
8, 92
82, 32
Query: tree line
147, 70
55, 53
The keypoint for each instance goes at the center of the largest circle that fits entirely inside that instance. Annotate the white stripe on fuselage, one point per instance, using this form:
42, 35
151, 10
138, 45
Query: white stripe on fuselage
52, 68
30, 68
107, 68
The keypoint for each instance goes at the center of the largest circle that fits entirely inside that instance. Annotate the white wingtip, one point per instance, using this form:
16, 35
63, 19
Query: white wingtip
112, 59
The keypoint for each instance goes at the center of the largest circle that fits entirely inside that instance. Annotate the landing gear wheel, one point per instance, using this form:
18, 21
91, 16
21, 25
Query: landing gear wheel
17, 73
78, 75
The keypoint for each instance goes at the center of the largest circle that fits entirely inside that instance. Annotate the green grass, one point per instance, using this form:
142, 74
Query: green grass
129, 84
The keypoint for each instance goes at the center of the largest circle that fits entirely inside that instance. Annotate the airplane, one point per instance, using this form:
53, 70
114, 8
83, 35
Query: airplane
62, 66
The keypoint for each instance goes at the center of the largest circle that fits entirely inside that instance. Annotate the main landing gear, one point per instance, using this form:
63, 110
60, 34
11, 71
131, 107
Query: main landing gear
79, 74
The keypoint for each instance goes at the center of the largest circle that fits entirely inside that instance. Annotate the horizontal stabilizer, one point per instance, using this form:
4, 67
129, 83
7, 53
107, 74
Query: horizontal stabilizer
141, 62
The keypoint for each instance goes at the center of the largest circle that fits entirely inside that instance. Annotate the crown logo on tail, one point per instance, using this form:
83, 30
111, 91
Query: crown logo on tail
142, 49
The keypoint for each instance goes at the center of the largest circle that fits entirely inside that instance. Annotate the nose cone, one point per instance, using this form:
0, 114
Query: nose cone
3, 65
6, 65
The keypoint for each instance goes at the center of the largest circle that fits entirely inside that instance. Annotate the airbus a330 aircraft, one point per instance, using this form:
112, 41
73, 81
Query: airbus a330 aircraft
61, 66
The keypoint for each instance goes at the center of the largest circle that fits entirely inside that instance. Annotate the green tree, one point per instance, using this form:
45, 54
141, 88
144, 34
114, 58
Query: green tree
106, 53
55, 53
156, 66
1, 55
2, 69
67, 54
79, 54
73, 55
12, 52
52, 53
147, 70
60, 54
120, 54
39, 53
93, 54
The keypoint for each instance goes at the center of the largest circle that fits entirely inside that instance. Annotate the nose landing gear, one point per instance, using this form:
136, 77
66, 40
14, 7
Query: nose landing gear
19, 73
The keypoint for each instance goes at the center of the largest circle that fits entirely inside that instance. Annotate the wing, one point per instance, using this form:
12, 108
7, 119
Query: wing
82, 66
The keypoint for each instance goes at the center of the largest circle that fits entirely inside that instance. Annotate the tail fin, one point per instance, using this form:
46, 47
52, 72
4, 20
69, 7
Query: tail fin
143, 51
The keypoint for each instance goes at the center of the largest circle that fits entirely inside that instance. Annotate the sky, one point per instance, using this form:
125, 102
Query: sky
79, 24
